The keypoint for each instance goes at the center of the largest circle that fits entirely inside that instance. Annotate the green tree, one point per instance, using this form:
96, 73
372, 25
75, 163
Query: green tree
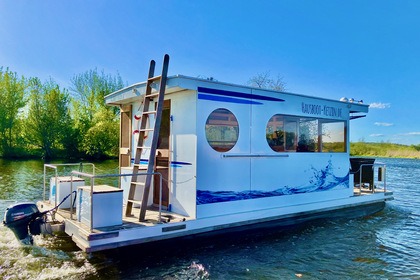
48, 122
12, 102
102, 138
95, 123
90, 88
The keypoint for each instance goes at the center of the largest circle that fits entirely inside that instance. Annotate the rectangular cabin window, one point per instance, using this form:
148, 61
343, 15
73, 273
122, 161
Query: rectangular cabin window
333, 135
302, 134
290, 132
275, 133
308, 135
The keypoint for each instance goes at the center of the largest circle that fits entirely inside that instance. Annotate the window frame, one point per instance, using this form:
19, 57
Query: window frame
222, 125
309, 141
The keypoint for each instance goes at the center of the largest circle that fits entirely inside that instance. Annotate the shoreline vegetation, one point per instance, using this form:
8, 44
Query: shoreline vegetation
388, 150
43, 120
361, 149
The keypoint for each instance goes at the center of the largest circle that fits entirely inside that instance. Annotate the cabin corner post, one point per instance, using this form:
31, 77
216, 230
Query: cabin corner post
125, 136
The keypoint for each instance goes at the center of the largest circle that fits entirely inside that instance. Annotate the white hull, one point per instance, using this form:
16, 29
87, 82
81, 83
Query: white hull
110, 238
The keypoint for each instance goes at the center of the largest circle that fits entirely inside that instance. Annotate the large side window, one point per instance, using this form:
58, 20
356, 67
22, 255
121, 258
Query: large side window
300, 134
222, 130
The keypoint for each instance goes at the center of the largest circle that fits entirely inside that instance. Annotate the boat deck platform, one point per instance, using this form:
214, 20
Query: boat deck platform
131, 231
152, 218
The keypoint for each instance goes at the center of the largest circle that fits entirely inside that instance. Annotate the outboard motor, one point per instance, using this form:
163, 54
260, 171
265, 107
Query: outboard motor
23, 219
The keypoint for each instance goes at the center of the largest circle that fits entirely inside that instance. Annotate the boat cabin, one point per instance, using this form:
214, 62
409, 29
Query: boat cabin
226, 149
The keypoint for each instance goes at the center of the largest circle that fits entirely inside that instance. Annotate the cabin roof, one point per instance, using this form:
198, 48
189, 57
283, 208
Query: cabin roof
179, 83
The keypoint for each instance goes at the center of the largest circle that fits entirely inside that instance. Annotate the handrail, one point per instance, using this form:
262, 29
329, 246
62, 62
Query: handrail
92, 177
55, 167
383, 165
254, 156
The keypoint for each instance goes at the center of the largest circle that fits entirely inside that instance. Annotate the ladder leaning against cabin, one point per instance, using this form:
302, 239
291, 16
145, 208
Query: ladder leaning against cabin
148, 100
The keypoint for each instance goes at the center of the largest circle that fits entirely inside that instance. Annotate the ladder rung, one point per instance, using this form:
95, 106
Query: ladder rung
138, 183
155, 78
152, 95
146, 129
149, 112
135, 201
144, 148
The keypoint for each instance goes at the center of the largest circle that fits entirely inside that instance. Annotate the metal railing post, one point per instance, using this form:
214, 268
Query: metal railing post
160, 197
71, 197
373, 179
384, 178
45, 174
56, 187
91, 203
92, 177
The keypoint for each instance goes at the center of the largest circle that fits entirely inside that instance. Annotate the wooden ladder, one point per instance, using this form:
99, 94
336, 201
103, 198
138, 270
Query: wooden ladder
148, 100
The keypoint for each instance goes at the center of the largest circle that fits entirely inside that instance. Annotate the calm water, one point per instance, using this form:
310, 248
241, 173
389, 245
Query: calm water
382, 246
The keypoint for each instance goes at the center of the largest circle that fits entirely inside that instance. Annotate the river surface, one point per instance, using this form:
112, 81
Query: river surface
382, 246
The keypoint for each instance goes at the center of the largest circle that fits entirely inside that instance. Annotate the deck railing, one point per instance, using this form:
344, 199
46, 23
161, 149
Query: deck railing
55, 167
92, 178
381, 172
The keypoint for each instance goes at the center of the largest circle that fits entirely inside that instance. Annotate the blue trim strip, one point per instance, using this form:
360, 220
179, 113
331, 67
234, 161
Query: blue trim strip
237, 94
226, 99
173, 163
181, 163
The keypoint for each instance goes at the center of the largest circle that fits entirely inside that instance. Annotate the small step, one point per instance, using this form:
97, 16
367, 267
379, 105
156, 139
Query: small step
144, 148
155, 78
135, 201
146, 129
149, 113
138, 183
152, 95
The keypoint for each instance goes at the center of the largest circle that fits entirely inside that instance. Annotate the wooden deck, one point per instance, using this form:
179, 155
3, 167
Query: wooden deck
366, 191
152, 218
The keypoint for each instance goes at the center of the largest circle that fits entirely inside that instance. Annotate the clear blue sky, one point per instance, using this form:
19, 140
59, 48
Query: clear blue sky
367, 50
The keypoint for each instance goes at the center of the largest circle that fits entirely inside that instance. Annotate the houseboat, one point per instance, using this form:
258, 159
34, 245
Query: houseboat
200, 156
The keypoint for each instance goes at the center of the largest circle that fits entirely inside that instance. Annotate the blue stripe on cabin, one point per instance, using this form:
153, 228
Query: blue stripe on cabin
238, 94
226, 99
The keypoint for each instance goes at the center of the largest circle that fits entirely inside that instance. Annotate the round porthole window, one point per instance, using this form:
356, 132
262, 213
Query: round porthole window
222, 130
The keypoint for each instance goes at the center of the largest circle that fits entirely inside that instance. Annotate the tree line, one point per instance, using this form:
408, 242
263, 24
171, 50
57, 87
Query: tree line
384, 149
41, 119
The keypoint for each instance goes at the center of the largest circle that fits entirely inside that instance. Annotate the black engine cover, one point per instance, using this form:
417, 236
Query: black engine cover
18, 216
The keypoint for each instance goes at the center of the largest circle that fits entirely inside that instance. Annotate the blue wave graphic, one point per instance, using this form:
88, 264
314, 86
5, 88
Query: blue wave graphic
321, 180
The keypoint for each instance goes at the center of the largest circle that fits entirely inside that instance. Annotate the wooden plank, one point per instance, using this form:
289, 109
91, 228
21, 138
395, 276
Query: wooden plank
125, 135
